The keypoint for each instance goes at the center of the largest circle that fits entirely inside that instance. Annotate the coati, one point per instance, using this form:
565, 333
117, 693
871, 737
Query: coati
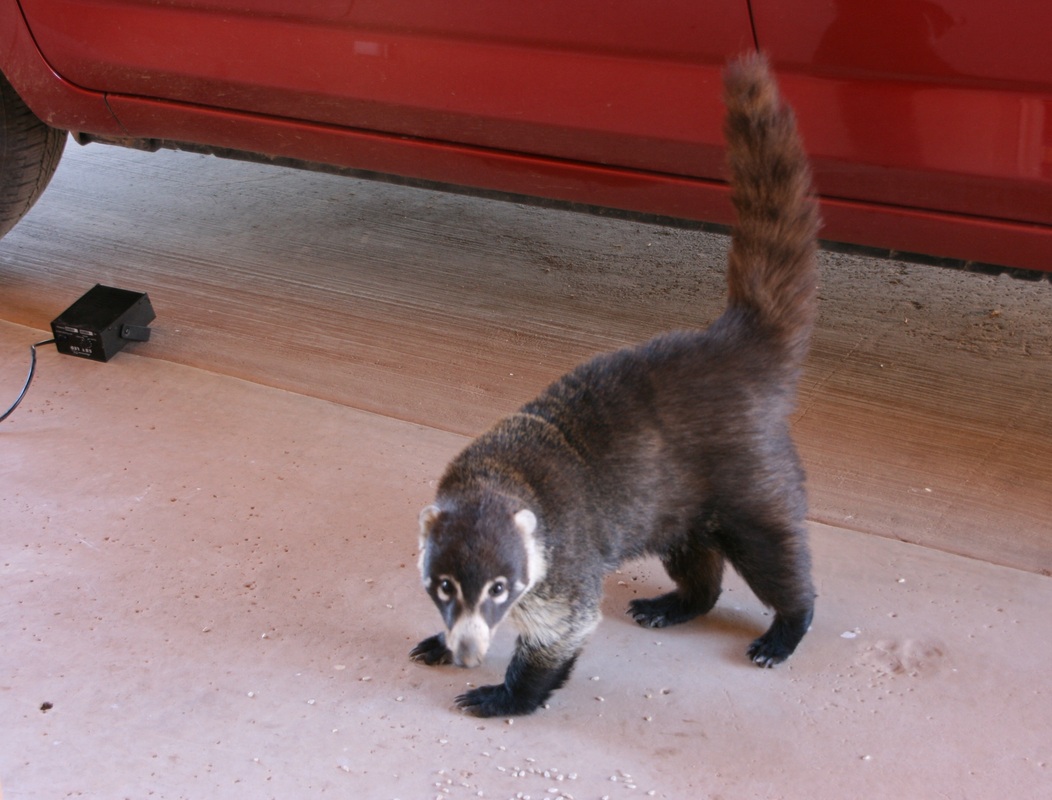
678, 447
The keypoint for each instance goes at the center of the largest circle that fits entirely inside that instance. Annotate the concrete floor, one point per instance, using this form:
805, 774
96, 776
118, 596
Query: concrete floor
209, 584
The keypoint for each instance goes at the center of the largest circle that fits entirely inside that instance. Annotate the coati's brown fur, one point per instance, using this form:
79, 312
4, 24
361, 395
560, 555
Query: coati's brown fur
678, 448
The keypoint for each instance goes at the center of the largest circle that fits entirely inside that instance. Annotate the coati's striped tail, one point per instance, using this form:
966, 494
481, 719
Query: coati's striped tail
771, 270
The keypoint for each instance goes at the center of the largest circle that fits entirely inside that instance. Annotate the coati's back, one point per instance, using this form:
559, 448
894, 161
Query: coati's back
619, 420
709, 392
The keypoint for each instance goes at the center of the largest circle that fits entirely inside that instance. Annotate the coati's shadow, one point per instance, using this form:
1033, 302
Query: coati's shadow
726, 631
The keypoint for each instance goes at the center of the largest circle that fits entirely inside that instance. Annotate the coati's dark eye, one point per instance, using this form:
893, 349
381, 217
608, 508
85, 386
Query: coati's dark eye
497, 589
446, 589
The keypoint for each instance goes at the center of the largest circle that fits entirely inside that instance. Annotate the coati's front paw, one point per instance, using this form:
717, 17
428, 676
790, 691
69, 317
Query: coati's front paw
494, 701
660, 612
432, 651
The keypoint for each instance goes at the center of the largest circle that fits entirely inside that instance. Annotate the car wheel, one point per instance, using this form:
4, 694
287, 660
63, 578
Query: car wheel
29, 153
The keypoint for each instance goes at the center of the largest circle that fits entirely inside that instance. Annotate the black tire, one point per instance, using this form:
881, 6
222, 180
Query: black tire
29, 154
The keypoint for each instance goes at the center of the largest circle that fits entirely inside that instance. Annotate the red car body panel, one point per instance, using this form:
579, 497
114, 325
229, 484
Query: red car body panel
929, 123
54, 100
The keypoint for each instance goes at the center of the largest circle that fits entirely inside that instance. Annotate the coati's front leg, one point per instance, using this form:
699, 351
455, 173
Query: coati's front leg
533, 674
529, 681
552, 633
432, 651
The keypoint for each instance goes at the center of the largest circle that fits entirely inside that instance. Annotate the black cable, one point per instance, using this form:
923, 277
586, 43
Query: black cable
29, 377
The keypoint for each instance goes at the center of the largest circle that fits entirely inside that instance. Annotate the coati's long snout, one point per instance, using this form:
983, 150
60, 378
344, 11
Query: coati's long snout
469, 639
476, 561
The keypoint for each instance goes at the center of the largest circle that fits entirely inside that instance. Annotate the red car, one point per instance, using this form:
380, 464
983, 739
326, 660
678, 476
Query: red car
929, 121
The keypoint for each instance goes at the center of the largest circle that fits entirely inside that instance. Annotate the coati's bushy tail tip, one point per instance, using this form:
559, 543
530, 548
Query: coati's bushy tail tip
771, 270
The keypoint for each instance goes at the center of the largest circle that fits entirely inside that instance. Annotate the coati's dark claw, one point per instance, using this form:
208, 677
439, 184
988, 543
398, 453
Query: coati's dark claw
760, 653
660, 612
432, 651
781, 639
494, 701
527, 684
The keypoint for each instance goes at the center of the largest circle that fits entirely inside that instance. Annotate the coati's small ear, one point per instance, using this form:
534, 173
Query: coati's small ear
536, 564
427, 519
526, 522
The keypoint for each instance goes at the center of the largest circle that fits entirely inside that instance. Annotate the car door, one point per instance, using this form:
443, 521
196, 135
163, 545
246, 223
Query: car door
600, 81
923, 104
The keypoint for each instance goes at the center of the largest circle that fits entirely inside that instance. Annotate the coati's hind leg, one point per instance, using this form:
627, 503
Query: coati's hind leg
774, 561
698, 573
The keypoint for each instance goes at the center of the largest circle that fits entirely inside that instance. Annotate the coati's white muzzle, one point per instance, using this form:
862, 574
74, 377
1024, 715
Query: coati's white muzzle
469, 640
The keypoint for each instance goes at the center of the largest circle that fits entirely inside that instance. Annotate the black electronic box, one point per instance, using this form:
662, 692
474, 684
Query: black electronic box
102, 321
